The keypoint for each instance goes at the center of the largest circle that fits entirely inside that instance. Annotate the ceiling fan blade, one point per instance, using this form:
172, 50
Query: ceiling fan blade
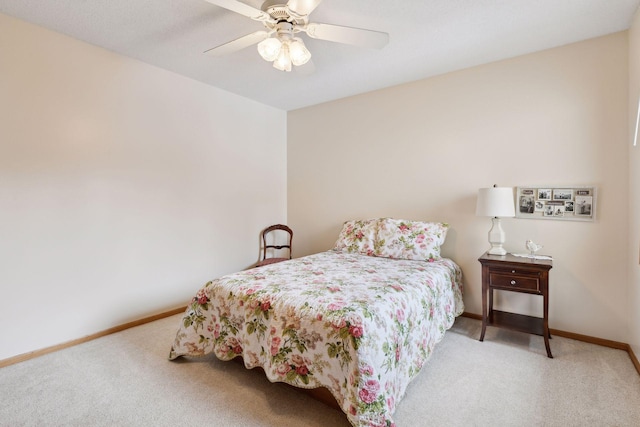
238, 44
348, 35
242, 9
302, 7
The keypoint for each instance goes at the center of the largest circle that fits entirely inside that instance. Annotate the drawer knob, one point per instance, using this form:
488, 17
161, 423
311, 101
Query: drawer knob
513, 282
513, 271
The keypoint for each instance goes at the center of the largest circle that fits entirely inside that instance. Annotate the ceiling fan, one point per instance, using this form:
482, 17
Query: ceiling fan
284, 19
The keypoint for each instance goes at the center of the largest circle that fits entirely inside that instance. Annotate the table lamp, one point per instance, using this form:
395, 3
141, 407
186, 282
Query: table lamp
496, 202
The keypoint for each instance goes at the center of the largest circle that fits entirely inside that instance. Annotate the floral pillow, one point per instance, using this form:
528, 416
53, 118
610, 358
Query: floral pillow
410, 239
358, 236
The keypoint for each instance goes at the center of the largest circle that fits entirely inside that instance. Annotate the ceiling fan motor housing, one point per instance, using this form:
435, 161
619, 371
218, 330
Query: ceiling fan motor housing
279, 12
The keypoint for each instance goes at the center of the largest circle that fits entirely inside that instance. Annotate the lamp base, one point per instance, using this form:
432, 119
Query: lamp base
497, 250
496, 238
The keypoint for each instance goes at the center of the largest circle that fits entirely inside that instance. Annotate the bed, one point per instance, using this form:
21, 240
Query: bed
360, 320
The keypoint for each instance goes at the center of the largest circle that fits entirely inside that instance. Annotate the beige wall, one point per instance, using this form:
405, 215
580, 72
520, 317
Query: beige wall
123, 187
421, 151
634, 189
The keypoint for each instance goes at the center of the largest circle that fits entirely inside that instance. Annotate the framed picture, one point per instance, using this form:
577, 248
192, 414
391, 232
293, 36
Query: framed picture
571, 203
562, 194
558, 210
527, 201
548, 210
584, 206
568, 206
544, 194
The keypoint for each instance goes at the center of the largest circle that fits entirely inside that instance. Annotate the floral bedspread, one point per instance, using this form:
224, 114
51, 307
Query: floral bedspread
361, 326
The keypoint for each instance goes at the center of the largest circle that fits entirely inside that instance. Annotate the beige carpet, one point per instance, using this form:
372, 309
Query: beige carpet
125, 379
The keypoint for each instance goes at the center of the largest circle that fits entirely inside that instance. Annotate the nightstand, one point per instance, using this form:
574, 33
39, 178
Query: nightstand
515, 274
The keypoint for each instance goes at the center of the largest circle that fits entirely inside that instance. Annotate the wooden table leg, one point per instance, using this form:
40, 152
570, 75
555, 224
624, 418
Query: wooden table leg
484, 306
545, 320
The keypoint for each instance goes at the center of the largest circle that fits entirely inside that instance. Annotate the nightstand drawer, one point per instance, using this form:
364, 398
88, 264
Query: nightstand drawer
517, 282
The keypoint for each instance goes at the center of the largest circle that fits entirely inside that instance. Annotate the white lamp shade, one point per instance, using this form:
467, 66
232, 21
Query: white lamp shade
495, 202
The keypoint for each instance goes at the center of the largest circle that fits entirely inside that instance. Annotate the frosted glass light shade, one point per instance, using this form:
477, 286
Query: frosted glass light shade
269, 49
298, 52
283, 61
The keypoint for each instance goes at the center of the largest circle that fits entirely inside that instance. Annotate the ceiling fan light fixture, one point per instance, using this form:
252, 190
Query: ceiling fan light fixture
286, 18
283, 61
270, 48
298, 52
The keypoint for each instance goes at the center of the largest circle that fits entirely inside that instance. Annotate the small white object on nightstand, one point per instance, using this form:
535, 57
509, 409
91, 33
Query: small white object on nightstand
533, 248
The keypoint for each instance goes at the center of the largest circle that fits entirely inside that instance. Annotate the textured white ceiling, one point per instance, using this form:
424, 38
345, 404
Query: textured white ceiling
427, 37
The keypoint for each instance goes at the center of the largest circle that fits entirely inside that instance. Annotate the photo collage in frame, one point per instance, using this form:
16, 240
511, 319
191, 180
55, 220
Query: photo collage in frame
563, 203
